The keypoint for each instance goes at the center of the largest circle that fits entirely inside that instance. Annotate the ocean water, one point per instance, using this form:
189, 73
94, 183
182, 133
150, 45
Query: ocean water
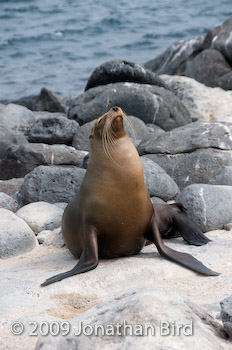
57, 44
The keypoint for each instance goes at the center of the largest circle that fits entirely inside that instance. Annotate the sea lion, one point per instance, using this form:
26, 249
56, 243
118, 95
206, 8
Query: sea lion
112, 214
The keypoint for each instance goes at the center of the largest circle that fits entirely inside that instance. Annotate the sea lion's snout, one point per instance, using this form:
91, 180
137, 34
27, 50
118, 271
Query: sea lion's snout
115, 109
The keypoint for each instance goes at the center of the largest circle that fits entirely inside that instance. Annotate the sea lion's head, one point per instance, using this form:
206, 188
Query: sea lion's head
109, 126
108, 129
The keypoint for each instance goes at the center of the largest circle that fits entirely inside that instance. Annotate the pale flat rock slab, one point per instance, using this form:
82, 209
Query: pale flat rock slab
16, 237
41, 216
204, 103
20, 278
133, 312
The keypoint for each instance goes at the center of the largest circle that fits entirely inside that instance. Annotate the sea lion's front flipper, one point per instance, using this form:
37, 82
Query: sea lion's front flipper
184, 259
88, 260
187, 228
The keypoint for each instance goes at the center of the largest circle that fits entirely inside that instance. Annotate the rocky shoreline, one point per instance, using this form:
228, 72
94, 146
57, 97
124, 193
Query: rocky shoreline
180, 106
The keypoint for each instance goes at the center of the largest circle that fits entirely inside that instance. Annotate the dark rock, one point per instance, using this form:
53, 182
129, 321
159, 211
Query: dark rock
53, 129
20, 160
226, 314
11, 186
152, 104
156, 200
81, 138
122, 71
208, 67
220, 38
50, 184
8, 202
27, 101
189, 138
173, 60
225, 82
159, 184
48, 101
200, 166
209, 206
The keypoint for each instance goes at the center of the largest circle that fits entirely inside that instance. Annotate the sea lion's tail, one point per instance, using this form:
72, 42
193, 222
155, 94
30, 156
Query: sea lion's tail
187, 228
184, 259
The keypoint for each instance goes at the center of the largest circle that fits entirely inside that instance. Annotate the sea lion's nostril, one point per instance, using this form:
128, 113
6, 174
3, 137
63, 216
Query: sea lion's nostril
115, 109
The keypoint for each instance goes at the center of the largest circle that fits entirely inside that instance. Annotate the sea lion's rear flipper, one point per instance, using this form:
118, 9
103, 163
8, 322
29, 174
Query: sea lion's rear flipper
88, 260
184, 259
187, 228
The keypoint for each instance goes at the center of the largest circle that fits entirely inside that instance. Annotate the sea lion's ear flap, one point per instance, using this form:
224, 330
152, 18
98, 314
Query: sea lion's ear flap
91, 135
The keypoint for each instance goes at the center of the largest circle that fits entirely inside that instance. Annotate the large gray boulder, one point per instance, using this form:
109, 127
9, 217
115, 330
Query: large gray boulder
122, 71
158, 182
200, 166
208, 67
16, 237
53, 129
189, 138
173, 60
51, 184
210, 206
81, 137
41, 216
152, 104
192, 154
203, 102
23, 159
226, 315
140, 319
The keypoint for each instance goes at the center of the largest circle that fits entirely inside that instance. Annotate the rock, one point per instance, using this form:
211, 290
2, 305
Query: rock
210, 206
189, 138
226, 314
26, 101
225, 81
122, 71
11, 186
81, 137
205, 103
41, 216
61, 205
152, 104
52, 130
49, 101
228, 227
159, 183
156, 200
16, 237
200, 166
8, 202
15, 117
9, 138
219, 38
208, 67
224, 177
23, 159
51, 238
138, 320
173, 60
51, 184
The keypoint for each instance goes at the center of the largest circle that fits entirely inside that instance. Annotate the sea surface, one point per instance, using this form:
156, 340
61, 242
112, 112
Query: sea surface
58, 43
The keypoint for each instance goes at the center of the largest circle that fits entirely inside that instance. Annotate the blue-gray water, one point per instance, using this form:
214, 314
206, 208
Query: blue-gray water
58, 43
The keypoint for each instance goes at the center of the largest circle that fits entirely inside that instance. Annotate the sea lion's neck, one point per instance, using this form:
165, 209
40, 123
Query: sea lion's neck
122, 154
